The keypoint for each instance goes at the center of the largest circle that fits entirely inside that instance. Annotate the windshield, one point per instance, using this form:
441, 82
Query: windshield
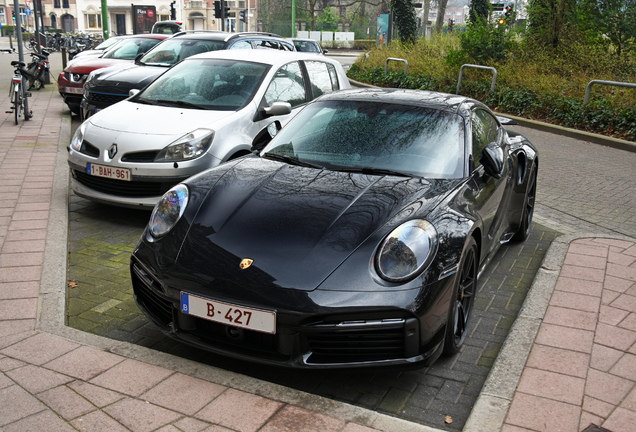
374, 137
129, 48
206, 84
174, 50
107, 43
306, 46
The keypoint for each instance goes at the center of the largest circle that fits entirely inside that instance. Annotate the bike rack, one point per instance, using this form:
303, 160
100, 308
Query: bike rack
406, 64
588, 89
461, 73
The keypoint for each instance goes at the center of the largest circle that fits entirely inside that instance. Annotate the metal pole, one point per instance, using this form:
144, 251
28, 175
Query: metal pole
18, 26
105, 29
293, 18
222, 15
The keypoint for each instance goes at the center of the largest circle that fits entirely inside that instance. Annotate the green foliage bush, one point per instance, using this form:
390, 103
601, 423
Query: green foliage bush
540, 83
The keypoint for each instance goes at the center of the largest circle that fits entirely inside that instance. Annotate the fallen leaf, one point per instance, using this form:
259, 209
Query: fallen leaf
72, 284
448, 419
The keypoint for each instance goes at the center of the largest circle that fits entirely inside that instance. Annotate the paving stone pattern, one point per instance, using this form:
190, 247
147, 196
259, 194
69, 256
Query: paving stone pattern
100, 301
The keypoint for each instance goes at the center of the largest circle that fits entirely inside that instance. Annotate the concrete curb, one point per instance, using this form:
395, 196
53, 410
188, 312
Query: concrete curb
51, 318
490, 410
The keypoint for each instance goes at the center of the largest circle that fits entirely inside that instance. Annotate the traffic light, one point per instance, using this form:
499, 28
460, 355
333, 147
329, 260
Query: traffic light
243, 15
450, 24
13, 15
173, 12
509, 10
226, 9
501, 21
217, 9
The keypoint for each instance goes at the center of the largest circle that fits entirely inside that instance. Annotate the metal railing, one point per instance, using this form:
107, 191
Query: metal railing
461, 73
406, 64
588, 89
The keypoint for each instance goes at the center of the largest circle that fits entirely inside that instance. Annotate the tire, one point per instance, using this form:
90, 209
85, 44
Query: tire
463, 299
525, 225
17, 102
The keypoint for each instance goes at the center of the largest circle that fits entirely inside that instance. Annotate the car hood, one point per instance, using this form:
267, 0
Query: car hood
90, 64
297, 224
154, 120
120, 80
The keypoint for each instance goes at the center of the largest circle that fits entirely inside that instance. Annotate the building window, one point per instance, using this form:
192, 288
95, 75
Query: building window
164, 17
56, 4
3, 19
65, 4
241, 4
93, 21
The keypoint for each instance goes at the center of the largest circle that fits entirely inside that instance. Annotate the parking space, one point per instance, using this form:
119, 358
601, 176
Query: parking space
100, 301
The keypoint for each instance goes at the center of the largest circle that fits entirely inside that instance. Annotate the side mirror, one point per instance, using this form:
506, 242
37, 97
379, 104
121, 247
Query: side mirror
324, 51
492, 158
265, 136
138, 58
277, 108
133, 92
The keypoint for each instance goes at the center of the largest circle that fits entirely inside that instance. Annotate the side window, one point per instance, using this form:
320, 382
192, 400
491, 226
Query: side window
287, 86
319, 77
242, 45
334, 77
267, 44
485, 131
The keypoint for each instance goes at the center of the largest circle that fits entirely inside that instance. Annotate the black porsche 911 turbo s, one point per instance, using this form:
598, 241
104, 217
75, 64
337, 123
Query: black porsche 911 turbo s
354, 238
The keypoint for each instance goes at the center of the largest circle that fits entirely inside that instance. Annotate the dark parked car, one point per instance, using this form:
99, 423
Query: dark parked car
70, 83
353, 239
111, 85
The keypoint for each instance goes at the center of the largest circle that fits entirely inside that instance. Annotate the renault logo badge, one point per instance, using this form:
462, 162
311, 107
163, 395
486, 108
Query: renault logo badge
246, 263
112, 151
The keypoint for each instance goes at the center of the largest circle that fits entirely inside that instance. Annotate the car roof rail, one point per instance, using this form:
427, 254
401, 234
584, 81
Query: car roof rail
186, 32
255, 34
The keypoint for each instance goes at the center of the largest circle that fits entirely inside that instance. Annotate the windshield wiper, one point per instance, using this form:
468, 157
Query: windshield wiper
290, 160
145, 101
372, 171
180, 103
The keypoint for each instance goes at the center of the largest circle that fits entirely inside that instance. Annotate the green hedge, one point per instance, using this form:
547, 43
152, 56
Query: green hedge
596, 116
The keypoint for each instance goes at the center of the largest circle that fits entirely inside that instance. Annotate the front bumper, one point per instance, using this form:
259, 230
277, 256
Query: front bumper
350, 336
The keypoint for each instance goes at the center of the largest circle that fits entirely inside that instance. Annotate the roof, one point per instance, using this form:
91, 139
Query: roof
428, 99
265, 56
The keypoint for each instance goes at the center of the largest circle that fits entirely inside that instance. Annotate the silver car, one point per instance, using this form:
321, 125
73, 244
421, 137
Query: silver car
204, 111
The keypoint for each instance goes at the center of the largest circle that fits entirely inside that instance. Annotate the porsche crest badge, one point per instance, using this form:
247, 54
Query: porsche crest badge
246, 263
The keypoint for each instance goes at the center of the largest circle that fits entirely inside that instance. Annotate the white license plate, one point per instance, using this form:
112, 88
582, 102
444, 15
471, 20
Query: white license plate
230, 314
108, 172
74, 90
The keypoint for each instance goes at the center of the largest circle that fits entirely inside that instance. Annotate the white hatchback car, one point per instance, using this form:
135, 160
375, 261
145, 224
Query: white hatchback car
202, 112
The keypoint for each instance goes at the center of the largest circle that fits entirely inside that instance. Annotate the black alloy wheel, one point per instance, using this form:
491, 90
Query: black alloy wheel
463, 299
528, 208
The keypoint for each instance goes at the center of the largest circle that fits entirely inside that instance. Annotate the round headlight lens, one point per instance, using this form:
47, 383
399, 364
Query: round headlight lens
407, 251
168, 210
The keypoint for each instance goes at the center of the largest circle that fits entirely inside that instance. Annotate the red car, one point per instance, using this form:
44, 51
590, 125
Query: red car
70, 83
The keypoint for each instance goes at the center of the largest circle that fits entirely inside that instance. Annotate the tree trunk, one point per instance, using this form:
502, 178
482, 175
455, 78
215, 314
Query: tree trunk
441, 12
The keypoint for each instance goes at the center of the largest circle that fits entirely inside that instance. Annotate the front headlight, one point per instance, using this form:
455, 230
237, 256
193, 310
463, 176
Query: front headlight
168, 210
78, 138
189, 146
406, 251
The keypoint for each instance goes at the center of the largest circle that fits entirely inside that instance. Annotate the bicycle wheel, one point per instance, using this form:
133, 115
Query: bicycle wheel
17, 102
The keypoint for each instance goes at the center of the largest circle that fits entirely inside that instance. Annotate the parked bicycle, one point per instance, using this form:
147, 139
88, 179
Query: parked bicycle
17, 94
38, 69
